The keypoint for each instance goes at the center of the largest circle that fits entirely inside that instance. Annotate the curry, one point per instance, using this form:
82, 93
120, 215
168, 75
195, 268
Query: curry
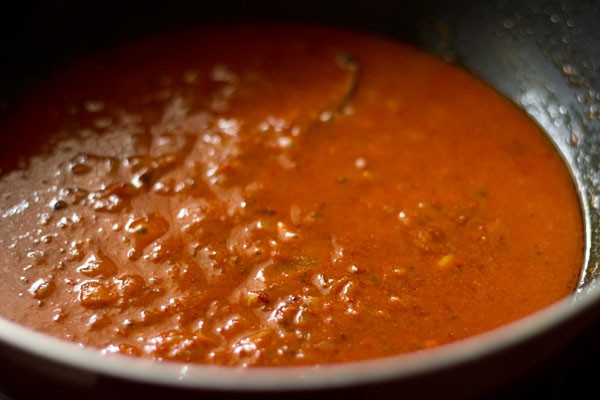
274, 196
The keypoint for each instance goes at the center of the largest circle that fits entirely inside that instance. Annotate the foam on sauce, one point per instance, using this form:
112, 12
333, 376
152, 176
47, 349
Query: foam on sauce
246, 195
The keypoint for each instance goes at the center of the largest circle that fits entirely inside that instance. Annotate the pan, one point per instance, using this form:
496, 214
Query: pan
542, 55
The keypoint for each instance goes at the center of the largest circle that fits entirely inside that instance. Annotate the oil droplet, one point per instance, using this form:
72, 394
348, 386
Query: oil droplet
42, 288
98, 266
94, 294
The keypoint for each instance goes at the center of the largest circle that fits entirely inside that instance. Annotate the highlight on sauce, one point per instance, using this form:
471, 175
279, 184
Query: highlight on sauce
277, 195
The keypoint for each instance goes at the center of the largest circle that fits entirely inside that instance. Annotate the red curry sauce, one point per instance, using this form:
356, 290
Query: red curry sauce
277, 196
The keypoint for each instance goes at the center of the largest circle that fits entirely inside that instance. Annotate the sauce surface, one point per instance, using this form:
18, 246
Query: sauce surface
247, 195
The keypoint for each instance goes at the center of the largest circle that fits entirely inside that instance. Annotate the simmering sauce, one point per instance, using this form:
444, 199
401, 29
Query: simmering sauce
276, 195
